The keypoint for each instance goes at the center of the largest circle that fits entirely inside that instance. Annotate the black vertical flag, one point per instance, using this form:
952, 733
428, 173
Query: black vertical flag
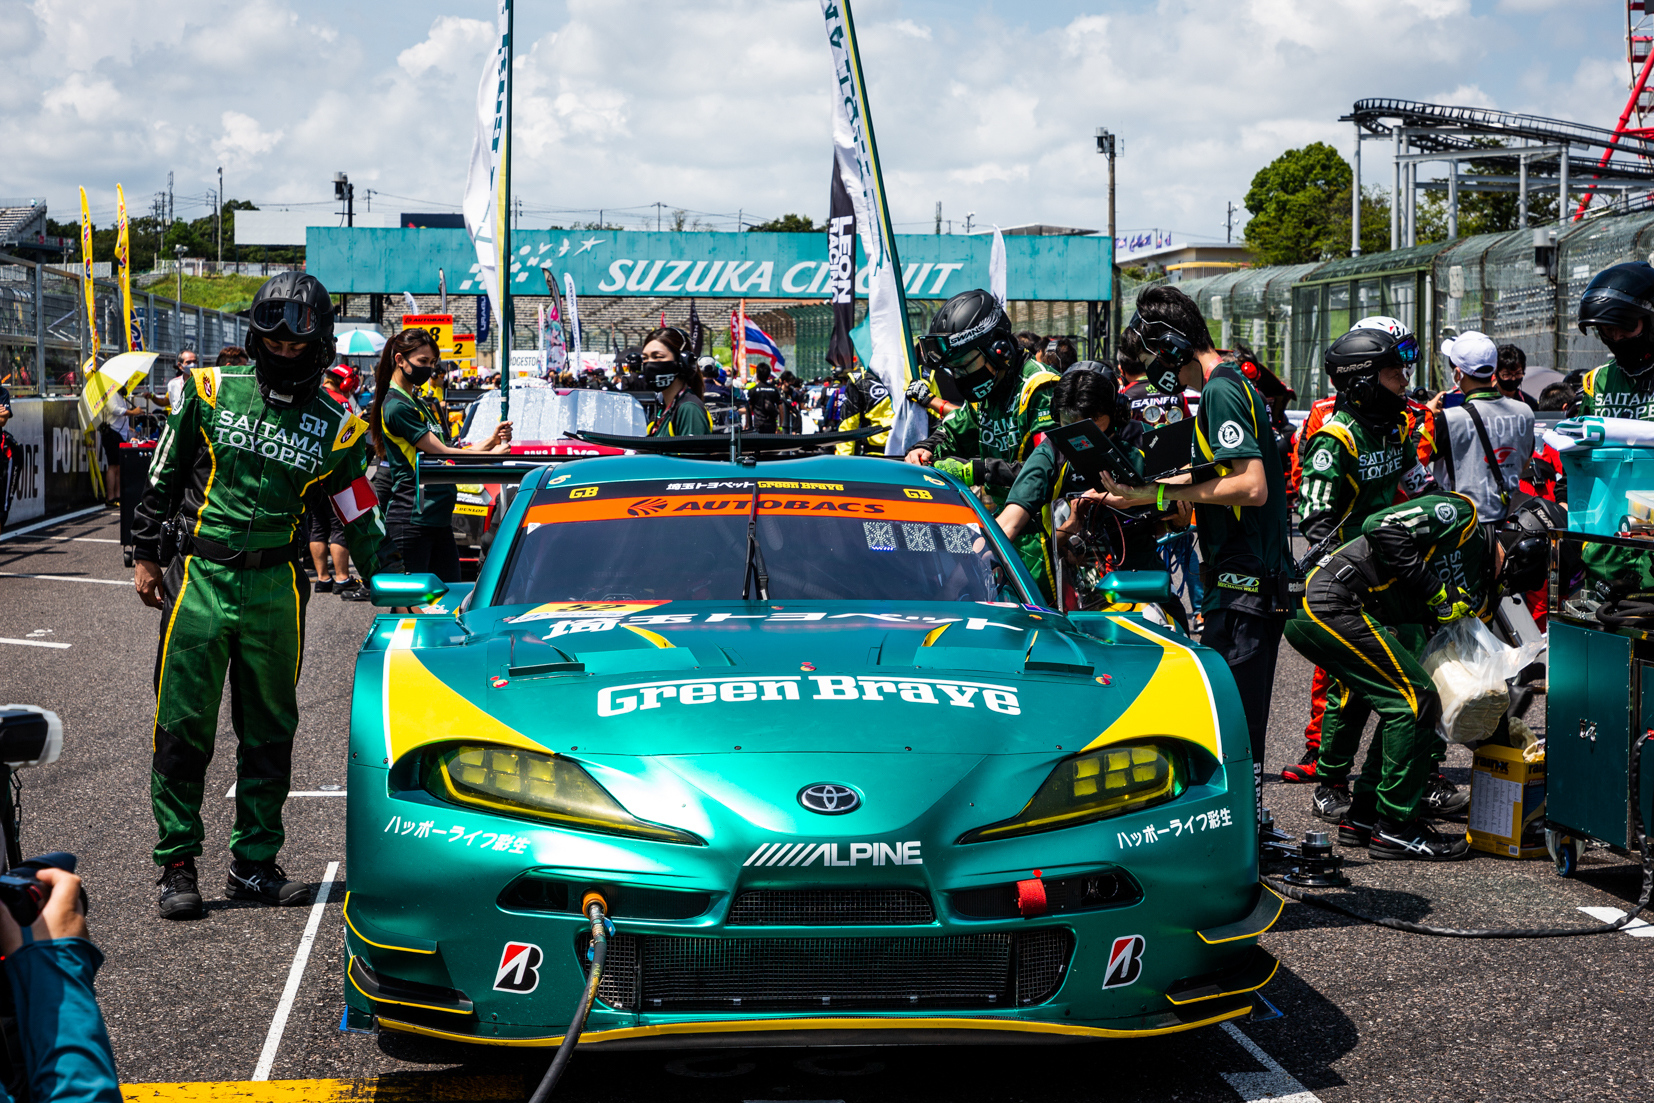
841, 272
697, 335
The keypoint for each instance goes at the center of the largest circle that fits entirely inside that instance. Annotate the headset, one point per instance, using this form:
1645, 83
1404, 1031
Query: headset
683, 362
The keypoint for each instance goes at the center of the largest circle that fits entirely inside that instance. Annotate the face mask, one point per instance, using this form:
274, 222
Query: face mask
418, 374
1634, 355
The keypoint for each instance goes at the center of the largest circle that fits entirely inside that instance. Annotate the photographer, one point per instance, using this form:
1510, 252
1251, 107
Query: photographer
233, 464
1241, 517
66, 1051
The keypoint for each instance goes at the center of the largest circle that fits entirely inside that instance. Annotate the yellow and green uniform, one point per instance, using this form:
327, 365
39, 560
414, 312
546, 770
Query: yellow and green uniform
235, 469
1353, 470
1609, 392
1007, 425
403, 419
686, 417
1361, 621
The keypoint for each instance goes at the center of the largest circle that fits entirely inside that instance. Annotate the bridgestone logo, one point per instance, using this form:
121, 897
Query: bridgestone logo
799, 855
639, 696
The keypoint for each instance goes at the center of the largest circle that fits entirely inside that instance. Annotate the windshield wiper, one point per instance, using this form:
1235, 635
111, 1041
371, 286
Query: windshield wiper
755, 555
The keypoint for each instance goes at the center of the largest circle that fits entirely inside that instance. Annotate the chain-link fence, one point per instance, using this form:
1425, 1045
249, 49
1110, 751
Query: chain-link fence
44, 338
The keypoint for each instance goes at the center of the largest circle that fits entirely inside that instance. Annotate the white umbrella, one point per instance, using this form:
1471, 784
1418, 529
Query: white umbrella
361, 342
118, 373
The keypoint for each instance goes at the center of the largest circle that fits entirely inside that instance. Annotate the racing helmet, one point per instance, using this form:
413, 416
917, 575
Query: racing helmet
1525, 536
1353, 363
969, 322
1621, 296
291, 306
1383, 321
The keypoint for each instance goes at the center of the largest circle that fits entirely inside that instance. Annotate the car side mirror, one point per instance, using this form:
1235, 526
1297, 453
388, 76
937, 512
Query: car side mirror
1136, 586
406, 590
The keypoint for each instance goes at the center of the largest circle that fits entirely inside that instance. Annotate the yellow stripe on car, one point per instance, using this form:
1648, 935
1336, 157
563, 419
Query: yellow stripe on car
1177, 700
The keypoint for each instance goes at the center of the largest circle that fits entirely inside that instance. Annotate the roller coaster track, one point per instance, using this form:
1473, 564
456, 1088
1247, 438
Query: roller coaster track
1435, 127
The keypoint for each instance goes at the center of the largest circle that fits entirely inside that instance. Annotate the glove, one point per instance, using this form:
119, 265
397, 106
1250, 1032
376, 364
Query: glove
919, 392
959, 469
1450, 604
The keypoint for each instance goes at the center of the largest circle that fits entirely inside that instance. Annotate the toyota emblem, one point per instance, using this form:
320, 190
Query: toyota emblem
829, 799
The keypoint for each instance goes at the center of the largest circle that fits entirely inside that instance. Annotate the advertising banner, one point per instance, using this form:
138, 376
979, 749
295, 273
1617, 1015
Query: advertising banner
52, 472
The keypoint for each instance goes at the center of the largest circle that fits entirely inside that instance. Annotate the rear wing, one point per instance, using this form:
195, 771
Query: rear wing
733, 445
486, 468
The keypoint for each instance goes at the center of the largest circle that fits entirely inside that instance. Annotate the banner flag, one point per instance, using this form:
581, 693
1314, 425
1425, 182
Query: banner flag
123, 258
738, 341
697, 332
571, 326
485, 321
996, 268
858, 160
412, 303
86, 277
485, 180
841, 271
442, 291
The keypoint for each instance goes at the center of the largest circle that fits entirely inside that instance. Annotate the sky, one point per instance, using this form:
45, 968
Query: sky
721, 107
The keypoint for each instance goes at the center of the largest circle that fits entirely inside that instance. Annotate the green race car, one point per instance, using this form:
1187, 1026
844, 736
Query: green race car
834, 773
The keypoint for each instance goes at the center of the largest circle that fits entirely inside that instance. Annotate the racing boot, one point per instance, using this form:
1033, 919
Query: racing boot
1303, 771
1442, 799
266, 883
322, 586
1415, 842
180, 897
353, 590
1332, 800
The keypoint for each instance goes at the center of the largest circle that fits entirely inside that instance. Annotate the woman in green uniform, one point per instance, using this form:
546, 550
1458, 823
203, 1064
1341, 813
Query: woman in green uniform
405, 424
669, 367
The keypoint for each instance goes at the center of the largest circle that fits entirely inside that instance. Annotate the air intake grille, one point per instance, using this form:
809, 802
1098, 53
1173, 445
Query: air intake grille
967, 971
830, 908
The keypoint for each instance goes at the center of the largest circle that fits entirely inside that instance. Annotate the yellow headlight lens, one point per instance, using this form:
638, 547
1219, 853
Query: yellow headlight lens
523, 783
1095, 786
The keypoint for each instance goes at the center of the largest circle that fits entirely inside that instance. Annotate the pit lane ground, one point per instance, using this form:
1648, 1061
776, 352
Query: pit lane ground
1368, 1014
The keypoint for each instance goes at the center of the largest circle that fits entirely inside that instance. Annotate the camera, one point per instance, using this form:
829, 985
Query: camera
29, 736
24, 894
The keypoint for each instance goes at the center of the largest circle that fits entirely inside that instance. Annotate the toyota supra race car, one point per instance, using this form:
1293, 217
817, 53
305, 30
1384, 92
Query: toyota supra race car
836, 776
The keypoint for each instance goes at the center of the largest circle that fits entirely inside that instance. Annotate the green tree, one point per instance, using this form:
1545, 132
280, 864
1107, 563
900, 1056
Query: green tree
1300, 207
787, 224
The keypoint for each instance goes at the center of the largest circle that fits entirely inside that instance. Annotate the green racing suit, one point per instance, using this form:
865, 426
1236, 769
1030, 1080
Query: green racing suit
1007, 425
235, 470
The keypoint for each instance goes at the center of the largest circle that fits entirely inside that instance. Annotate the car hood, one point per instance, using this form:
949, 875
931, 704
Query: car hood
740, 681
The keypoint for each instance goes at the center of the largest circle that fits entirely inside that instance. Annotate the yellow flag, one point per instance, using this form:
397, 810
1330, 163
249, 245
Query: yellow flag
86, 275
123, 258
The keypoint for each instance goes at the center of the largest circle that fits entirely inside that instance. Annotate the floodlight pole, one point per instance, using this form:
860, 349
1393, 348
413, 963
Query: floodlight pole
1355, 199
1107, 146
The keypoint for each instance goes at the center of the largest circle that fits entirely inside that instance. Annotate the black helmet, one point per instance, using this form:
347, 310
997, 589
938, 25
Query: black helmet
1089, 388
291, 306
1353, 363
968, 322
1621, 296
1525, 536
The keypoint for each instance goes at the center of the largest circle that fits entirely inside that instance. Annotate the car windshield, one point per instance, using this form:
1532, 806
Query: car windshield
687, 541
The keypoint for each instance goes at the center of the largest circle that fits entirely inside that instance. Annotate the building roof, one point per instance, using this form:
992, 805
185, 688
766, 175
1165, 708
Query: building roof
21, 219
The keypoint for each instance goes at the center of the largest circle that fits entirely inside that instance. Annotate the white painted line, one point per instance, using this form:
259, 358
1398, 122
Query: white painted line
272, 1041
1274, 1084
67, 578
89, 539
50, 522
37, 643
299, 793
1637, 928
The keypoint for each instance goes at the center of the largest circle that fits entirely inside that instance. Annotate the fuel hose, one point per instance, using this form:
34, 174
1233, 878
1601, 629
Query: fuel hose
601, 929
1511, 932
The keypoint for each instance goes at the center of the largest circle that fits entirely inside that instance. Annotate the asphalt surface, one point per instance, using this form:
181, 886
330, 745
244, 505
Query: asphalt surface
1368, 1014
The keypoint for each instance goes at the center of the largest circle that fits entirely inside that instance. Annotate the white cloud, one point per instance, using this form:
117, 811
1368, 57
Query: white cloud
725, 104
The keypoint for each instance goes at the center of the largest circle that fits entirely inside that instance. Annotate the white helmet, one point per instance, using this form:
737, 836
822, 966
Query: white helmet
1388, 325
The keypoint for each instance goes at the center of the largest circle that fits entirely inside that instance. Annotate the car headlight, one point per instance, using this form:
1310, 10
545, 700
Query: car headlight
1108, 782
540, 786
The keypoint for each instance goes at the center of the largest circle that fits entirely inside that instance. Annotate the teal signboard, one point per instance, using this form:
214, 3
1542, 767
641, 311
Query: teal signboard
729, 266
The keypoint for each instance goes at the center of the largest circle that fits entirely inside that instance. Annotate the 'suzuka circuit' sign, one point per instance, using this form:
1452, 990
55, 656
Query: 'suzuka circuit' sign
749, 265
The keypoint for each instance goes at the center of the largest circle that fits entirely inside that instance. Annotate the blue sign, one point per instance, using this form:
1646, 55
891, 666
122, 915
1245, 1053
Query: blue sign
707, 265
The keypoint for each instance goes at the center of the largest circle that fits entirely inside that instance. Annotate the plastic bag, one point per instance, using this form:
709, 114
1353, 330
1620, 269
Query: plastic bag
1470, 668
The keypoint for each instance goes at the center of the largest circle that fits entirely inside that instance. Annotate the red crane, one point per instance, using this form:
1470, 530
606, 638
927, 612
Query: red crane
1639, 54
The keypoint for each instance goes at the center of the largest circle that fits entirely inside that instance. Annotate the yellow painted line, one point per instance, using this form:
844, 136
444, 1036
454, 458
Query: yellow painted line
401, 1088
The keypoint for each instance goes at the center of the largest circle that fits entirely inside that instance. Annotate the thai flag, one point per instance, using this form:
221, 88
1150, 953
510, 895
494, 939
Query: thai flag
760, 345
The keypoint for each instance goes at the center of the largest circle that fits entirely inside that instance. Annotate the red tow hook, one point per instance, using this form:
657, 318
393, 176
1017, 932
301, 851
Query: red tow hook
1031, 896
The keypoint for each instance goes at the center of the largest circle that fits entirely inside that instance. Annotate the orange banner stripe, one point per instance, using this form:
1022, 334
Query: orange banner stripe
732, 505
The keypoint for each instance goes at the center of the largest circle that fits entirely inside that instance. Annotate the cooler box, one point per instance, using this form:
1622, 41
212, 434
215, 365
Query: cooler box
1507, 804
1598, 481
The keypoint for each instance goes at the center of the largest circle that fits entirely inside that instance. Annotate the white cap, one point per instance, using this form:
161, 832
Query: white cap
1472, 352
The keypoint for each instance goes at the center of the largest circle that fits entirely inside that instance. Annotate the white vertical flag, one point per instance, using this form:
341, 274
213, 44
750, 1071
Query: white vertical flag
483, 183
996, 268
571, 324
858, 162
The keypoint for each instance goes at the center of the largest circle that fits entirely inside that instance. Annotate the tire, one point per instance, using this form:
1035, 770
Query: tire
1565, 852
